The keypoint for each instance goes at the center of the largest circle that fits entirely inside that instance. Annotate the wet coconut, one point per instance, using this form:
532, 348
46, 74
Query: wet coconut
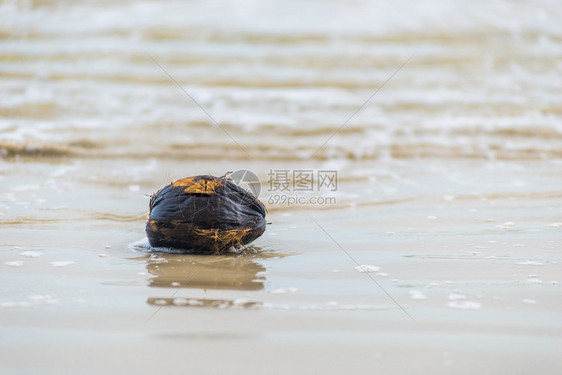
204, 214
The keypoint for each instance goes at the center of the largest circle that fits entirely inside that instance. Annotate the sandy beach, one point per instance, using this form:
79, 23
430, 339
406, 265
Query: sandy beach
427, 240
477, 276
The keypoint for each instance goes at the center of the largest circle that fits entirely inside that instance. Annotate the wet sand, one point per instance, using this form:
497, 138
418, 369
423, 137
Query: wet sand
476, 273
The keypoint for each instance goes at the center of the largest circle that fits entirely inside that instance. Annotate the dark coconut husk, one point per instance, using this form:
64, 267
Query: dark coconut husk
204, 214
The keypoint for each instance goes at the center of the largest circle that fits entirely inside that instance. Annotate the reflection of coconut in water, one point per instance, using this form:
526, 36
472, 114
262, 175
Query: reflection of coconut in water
204, 214
206, 272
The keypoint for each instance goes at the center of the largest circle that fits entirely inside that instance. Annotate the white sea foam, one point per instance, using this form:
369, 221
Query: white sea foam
31, 254
62, 263
531, 263
15, 304
14, 263
508, 225
456, 296
416, 294
44, 298
534, 280
284, 290
464, 305
140, 245
366, 268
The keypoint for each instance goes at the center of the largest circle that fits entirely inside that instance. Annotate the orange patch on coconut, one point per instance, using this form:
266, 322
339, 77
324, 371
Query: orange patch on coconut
202, 186
233, 236
188, 181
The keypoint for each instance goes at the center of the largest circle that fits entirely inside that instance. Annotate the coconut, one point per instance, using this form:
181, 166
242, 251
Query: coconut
204, 214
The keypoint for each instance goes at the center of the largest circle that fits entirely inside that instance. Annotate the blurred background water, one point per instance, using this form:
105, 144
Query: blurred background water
479, 79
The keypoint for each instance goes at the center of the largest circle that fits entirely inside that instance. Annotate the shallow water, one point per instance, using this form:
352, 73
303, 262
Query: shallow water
448, 185
85, 79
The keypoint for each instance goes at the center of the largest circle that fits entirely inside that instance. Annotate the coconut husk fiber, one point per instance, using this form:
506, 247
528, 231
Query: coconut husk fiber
204, 214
